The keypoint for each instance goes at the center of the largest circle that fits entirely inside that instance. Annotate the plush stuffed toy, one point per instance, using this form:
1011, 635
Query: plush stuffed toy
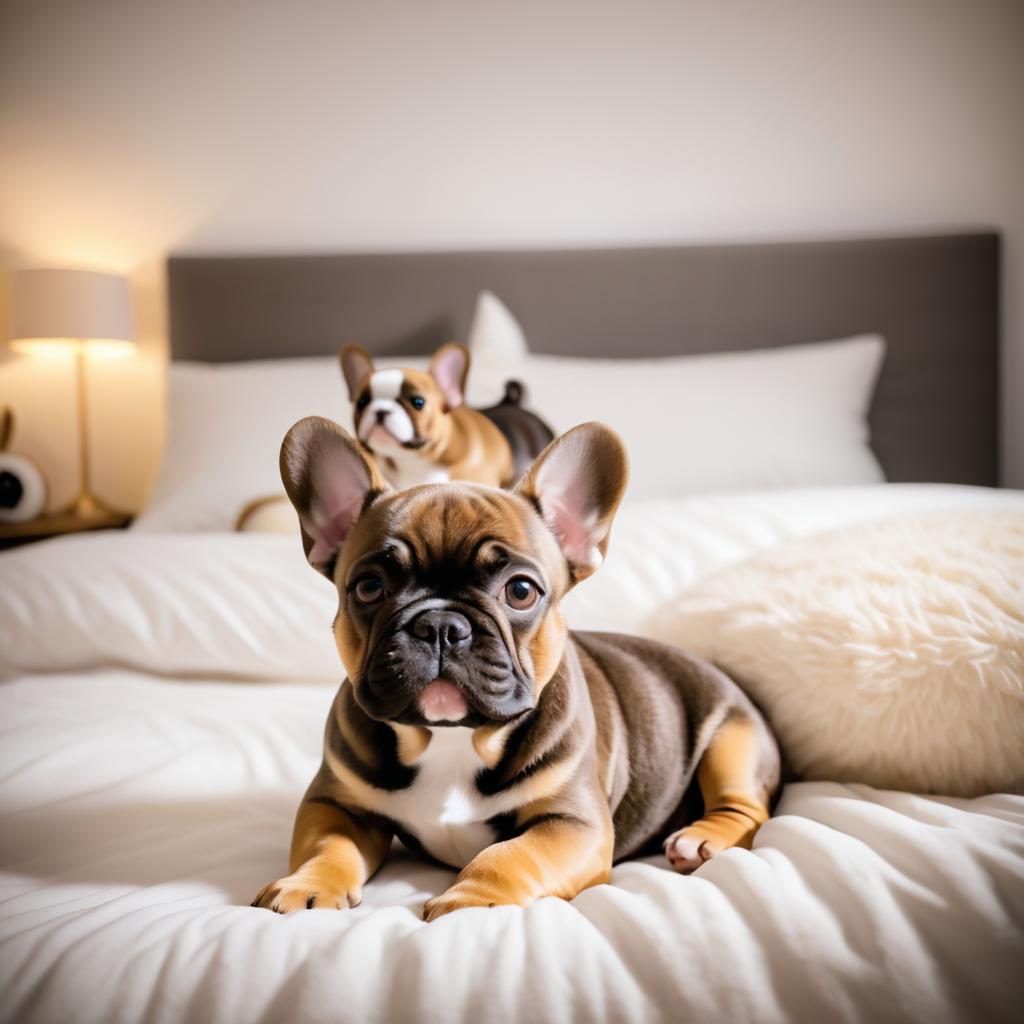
22, 487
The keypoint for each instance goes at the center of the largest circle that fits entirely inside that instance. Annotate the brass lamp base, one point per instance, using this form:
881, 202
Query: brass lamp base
87, 506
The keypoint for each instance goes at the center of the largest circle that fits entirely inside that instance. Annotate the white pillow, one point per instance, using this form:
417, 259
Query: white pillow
496, 338
210, 606
225, 424
791, 416
890, 654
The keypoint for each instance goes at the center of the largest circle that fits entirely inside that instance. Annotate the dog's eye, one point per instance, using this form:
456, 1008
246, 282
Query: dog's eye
417, 401
521, 593
363, 401
369, 590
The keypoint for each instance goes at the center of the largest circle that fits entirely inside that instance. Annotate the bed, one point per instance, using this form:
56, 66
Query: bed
163, 693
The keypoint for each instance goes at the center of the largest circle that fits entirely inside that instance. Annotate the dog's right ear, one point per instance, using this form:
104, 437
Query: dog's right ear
449, 366
356, 365
576, 485
330, 482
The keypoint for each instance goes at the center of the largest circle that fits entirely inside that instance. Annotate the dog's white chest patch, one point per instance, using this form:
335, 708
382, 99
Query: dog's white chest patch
443, 808
411, 470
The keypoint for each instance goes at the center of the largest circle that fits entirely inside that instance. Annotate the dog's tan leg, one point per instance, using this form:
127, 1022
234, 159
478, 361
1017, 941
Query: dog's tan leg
736, 776
556, 855
334, 852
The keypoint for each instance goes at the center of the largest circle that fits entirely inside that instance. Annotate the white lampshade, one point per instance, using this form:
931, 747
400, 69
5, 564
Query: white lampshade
61, 305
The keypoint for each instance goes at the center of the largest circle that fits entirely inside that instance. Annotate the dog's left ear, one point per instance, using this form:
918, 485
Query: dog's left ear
449, 367
577, 483
330, 482
356, 365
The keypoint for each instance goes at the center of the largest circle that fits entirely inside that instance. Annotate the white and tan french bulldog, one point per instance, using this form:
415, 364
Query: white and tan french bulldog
473, 725
419, 429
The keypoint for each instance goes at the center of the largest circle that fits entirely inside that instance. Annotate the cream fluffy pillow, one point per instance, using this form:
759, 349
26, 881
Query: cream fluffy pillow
890, 654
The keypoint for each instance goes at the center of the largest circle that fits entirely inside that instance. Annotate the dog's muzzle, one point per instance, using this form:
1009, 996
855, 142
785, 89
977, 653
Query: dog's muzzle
440, 664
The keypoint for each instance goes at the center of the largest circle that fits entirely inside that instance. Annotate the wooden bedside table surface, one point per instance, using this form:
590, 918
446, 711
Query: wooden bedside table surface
57, 524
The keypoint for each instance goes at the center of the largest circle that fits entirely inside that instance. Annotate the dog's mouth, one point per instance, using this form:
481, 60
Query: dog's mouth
378, 435
379, 440
442, 701
449, 694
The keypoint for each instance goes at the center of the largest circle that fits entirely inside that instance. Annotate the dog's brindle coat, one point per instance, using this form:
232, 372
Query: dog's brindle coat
582, 748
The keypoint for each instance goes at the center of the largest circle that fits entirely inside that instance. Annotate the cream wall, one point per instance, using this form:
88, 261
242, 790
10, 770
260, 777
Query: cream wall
130, 129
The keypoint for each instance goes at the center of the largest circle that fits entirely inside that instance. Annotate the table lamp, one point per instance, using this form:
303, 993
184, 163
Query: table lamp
82, 310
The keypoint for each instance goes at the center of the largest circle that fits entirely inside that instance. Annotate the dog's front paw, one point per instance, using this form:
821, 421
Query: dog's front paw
462, 895
305, 891
686, 852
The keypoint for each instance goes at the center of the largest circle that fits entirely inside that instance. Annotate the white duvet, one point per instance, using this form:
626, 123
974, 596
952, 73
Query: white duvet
161, 713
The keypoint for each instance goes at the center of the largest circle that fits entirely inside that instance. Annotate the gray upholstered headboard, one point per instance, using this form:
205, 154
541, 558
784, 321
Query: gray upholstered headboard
935, 300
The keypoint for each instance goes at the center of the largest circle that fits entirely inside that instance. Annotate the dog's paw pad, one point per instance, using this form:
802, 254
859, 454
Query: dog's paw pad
687, 853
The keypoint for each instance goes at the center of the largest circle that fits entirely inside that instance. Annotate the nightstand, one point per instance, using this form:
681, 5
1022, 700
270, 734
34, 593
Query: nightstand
58, 524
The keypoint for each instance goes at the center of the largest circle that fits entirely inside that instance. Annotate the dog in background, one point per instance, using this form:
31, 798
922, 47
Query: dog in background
419, 429
473, 725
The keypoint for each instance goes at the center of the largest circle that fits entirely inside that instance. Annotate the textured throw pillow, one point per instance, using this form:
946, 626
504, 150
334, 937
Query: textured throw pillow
890, 654
776, 417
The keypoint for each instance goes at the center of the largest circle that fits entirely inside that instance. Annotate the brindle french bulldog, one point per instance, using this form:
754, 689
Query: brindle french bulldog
473, 724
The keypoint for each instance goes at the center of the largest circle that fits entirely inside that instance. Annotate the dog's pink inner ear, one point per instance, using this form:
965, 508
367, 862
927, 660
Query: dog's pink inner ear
570, 513
340, 491
448, 368
330, 528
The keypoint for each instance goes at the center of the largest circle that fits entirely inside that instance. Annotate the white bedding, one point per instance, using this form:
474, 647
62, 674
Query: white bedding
161, 714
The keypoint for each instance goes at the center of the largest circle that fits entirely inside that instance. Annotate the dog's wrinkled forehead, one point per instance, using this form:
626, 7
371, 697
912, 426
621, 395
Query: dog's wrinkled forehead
394, 384
453, 525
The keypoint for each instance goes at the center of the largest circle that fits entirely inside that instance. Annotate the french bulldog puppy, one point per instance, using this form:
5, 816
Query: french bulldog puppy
473, 725
419, 430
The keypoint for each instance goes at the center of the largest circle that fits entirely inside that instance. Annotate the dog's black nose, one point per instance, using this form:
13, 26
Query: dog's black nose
442, 627
382, 415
